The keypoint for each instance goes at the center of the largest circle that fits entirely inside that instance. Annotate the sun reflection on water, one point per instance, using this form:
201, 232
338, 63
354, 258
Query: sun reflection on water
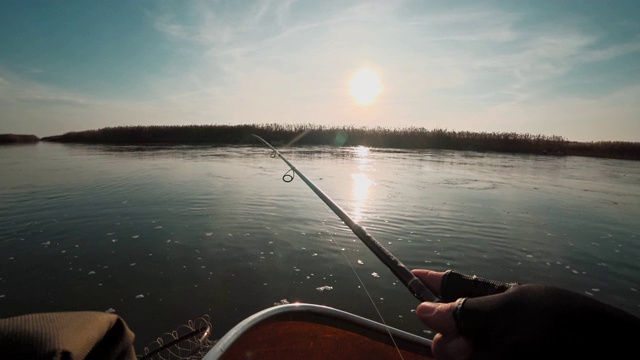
362, 152
361, 183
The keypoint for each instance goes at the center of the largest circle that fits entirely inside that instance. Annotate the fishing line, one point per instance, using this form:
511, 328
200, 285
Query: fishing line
364, 287
288, 177
410, 281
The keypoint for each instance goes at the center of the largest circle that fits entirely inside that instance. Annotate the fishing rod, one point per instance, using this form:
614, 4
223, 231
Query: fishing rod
417, 288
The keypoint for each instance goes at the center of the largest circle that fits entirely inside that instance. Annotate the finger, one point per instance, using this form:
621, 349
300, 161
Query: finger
439, 317
456, 285
433, 279
451, 347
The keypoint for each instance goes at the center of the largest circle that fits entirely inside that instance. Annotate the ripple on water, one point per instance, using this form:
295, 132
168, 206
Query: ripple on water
503, 217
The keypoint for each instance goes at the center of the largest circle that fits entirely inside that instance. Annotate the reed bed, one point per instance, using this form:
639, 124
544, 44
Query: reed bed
18, 139
309, 134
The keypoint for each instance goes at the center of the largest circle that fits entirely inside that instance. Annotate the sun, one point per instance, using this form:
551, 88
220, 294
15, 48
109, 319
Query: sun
365, 86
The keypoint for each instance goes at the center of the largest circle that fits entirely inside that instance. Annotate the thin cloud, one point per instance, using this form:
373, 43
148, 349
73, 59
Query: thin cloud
472, 68
19, 89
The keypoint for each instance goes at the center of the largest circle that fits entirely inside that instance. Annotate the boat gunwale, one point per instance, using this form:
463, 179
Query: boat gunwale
305, 311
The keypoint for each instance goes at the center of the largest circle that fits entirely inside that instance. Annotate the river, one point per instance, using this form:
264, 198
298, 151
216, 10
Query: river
165, 234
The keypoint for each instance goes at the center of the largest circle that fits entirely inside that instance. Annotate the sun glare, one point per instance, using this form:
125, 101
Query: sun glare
365, 86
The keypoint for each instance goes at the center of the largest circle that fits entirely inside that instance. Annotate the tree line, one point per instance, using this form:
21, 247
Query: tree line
310, 134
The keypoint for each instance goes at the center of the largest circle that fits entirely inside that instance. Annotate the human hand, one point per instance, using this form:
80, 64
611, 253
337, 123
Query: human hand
448, 343
482, 319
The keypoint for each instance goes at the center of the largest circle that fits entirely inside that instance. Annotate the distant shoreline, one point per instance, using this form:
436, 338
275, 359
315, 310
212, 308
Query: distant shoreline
401, 138
18, 139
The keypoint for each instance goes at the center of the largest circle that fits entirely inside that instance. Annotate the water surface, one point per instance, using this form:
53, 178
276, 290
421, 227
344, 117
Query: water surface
165, 234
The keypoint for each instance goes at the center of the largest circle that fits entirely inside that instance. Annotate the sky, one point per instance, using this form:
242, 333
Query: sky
564, 68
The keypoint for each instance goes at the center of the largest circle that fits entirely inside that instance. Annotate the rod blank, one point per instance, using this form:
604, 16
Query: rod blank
415, 286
